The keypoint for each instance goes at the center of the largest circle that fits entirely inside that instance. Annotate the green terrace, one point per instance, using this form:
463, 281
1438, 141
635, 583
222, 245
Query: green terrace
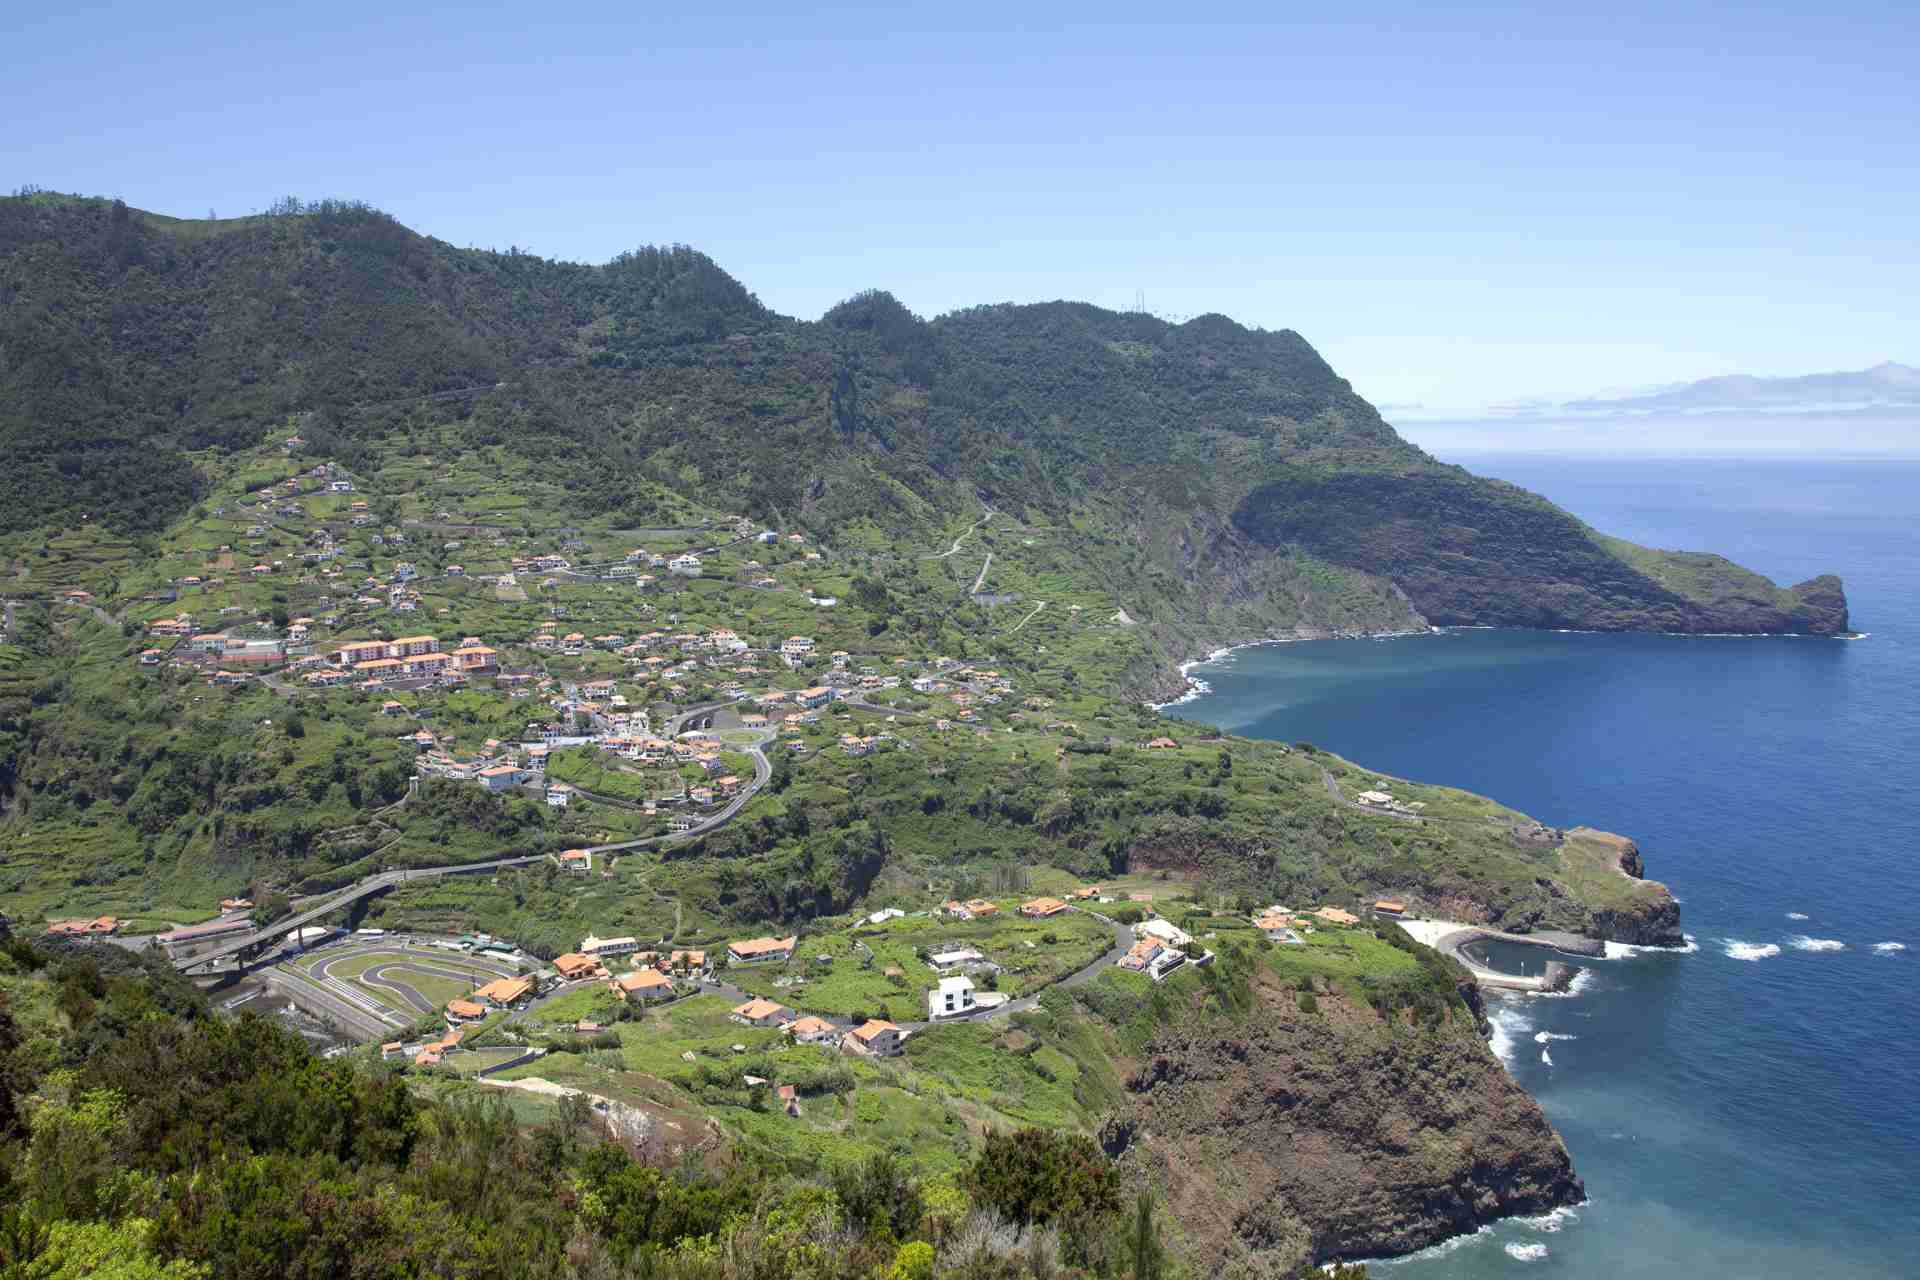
880, 970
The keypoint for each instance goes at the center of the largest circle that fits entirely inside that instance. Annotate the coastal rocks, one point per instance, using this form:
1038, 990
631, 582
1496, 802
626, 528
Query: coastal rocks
1606, 872
1295, 1137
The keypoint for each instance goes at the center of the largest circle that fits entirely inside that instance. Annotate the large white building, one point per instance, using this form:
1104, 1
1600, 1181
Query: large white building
953, 997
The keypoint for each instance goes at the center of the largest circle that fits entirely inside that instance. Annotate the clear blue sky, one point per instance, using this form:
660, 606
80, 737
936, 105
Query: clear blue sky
1458, 205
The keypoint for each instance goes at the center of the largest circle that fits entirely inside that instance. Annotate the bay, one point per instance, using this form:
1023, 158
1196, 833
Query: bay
1751, 1108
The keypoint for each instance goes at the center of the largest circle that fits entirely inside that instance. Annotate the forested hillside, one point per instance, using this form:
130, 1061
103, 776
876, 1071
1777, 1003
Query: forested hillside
1229, 475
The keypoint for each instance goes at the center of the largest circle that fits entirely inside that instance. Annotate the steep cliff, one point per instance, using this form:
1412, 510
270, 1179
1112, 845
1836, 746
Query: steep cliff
1293, 1137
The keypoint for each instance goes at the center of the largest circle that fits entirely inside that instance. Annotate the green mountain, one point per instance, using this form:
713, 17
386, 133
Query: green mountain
1227, 478
992, 534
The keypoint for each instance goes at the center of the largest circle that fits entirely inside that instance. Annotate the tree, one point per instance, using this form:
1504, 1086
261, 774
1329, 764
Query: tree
878, 1196
1149, 1257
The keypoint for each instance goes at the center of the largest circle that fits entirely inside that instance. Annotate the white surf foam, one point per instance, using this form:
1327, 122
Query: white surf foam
1627, 950
1583, 981
1889, 948
1737, 950
1546, 1058
1796, 915
1541, 1037
1801, 942
1527, 1252
1510, 1026
1551, 1222
1440, 1250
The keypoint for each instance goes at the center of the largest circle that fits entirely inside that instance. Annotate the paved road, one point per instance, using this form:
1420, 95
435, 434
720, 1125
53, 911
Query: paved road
316, 910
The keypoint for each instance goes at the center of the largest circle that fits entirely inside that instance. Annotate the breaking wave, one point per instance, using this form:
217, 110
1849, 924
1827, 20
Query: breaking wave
1889, 948
1527, 1252
1541, 1037
1737, 950
1801, 942
1510, 1026
1622, 950
1796, 915
1553, 1221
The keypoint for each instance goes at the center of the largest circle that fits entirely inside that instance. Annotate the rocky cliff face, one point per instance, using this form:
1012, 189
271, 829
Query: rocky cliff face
1469, 551
1297, 1137
1626, 906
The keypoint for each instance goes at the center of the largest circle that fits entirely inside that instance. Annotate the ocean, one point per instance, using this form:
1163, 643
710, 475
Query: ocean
1750, 1108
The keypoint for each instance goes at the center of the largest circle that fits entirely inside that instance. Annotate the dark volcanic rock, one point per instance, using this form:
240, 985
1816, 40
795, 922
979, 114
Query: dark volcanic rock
1296, 1137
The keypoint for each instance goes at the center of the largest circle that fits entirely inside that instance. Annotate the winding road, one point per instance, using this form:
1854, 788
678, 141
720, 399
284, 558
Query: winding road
942, 555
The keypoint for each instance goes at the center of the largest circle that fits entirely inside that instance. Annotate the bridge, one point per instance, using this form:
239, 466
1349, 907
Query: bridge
248, 945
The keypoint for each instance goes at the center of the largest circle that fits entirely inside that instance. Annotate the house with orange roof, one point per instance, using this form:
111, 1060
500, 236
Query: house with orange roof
573, 966
476, 657
503, 993
648, 984
1334, 915
1041, 908
465, 1011
761, 1012
978, 907
877, 1038
752, 950
579, 861
812, 1030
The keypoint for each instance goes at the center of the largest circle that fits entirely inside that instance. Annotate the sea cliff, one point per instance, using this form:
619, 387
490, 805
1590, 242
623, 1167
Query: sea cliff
1315, 1130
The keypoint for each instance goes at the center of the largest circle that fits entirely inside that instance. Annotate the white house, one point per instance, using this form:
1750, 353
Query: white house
687, 566
953, 997
885, 914
592, 946
500, 777
954, 958
559, 795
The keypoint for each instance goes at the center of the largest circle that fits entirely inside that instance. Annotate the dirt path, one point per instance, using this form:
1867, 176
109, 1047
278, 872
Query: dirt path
942, 555
629, 1124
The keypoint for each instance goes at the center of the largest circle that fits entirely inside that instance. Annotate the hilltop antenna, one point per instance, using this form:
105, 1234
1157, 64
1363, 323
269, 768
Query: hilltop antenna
1140, 302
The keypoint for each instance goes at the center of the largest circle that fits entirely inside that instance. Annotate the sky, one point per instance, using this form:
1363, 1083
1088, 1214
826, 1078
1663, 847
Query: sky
1460, 206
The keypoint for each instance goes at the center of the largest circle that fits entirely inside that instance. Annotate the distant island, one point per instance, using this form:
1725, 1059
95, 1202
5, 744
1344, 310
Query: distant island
1886, 384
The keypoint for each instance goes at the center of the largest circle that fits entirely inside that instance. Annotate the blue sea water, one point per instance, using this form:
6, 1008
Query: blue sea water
1751, 1108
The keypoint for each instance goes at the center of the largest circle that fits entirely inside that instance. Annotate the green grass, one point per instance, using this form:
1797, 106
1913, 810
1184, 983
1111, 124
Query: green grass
853, 985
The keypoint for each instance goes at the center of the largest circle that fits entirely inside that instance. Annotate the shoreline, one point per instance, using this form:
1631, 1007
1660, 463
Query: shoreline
1194, 688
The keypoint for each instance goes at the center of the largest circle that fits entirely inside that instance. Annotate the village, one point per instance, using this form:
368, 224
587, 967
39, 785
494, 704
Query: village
640, 691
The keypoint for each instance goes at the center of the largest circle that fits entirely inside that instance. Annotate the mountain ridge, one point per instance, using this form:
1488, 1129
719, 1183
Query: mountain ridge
1239, 468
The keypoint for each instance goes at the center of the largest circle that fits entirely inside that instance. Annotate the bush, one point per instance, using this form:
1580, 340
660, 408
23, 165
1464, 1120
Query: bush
1036, 1175
1308, 1002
